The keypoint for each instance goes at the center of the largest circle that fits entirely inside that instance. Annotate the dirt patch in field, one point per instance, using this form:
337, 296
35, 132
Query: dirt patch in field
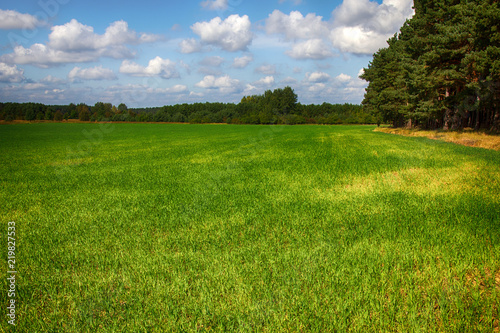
467, 137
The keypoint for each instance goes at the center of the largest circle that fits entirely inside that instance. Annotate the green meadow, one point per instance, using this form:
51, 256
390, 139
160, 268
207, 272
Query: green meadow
234, 228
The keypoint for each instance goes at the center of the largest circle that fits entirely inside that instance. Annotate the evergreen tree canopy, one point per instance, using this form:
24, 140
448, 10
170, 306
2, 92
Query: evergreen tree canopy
442, 69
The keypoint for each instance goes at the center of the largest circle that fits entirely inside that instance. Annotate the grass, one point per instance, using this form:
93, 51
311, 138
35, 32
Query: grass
466, 137
187, 228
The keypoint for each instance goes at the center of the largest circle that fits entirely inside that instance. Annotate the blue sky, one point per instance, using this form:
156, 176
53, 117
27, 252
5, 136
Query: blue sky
153, 53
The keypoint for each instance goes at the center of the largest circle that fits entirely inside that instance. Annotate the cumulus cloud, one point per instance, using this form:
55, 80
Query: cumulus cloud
10, 19
363, 26
289, 80
266, 69
10, 73
224, 84
265, 81
177, 89
93, 73
164, 68
357, 26
296, 26
49, 79
358, 40
34, 86
215, 4
232, 34
242, 62
343, 78
310, 49
308, 33
75, 36
317, 77
76, 42
43, 56
190, 45
214, 61
317, 87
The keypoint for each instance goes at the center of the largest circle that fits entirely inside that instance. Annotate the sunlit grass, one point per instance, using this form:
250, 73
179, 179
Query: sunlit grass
157, 228
467, 137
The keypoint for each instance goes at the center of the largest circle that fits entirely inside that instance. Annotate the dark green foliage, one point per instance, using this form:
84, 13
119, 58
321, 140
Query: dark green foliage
442, 70
48, 115
83, 112
58, 116
273, 107
122, 107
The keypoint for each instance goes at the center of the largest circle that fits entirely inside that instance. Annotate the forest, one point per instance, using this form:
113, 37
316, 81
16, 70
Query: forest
273, 107
442, 70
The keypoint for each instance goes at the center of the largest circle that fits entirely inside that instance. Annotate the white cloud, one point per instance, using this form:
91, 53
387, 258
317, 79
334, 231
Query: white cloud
357, 26
178, 88
74, 42
289, 80
310, 49
357, 40
164, 68
296, 26
343, 78
308, 33
215, 4
225, 84
386, 18
10, 73
52, 80
34, 86
250, 89
214, 61
93, 73
232, 34
361, 72
259, 85
266, 69
265, 81
190, 45
75, 36
54, 91
317, 87
363, 26
195, 94
317, 77
42, 56
10, 19
242, 62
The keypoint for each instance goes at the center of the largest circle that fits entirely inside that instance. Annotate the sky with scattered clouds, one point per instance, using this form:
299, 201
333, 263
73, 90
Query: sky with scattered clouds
153, 53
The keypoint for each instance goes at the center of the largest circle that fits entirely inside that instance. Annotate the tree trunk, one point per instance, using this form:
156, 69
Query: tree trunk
456, 121
496, 121
448, 120
409, 123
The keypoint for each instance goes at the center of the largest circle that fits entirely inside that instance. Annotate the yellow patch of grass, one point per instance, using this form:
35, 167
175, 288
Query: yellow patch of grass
420, 181
467, 137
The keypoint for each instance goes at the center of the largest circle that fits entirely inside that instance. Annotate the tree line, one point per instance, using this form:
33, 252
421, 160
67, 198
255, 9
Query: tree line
442, 70
273, 107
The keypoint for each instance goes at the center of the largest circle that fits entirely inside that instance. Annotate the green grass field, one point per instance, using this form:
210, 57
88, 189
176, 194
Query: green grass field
186, 228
